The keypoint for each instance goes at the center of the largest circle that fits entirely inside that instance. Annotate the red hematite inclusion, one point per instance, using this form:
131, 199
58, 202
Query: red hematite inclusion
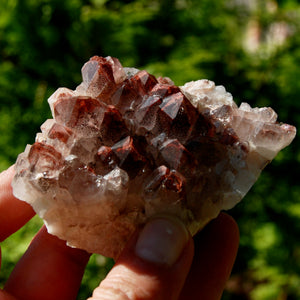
125, 146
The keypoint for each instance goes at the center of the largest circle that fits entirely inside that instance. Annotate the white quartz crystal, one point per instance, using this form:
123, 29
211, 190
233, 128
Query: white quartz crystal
125, 146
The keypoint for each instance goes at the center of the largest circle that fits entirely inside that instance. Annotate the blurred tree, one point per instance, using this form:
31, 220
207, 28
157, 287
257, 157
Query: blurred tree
249, 46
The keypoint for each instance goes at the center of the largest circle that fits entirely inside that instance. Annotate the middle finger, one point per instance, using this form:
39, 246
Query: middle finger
49, 269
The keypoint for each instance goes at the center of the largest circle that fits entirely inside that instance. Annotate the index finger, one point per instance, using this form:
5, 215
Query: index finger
13, 212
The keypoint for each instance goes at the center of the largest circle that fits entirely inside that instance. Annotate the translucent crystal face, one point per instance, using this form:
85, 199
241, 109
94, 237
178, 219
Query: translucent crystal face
125, 146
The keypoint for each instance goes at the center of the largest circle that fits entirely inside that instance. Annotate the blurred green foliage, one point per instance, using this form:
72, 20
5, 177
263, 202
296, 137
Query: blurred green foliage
250, 47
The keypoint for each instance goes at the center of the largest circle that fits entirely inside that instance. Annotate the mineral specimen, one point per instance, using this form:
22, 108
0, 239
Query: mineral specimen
125, 146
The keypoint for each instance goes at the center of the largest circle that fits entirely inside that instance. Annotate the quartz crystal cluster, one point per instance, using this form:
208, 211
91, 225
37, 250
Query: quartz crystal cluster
125, 146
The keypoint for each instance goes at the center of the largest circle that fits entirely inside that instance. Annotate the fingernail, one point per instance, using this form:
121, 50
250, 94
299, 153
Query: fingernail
162, 240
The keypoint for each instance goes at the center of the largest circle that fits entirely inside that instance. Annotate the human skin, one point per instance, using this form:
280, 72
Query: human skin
196, 268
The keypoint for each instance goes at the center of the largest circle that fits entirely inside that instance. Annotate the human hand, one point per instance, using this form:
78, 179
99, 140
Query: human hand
160, 262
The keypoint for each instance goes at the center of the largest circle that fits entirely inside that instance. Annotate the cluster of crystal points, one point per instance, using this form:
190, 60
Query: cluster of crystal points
125, 146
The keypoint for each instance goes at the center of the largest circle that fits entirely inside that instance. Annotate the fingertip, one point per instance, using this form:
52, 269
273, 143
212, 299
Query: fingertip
215, 252
144, 271
14, 212
227, 227
162, 241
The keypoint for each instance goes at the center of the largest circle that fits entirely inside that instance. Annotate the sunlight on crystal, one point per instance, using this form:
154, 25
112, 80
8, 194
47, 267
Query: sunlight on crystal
125, 146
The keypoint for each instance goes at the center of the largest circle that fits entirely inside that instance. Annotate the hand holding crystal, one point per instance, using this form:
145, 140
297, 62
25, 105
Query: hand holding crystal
131, 167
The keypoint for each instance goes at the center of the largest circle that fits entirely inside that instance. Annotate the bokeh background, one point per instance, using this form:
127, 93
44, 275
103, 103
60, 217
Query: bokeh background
252, 47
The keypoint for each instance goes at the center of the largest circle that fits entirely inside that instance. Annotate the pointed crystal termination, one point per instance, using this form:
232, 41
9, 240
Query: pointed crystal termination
124, 146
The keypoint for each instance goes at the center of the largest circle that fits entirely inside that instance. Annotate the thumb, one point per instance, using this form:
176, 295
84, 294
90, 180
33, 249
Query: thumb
154, 264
